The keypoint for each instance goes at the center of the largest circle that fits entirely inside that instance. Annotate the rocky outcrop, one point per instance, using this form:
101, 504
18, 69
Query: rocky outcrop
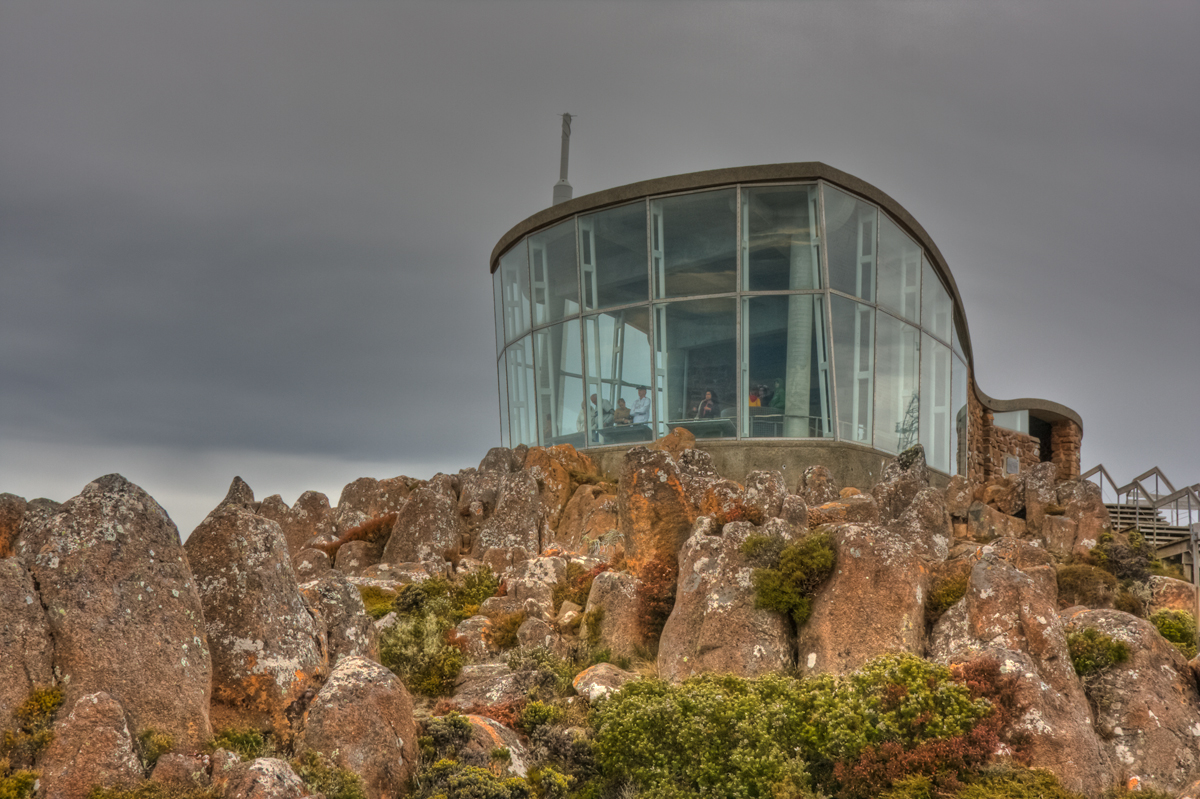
765, 493
854, 509
589, 522
265, 644
611, 616
12, 513
26, 651
903, 478
600, 681
91, 747
362, 720
877, 590
552, 468
349, 631
123, 608
531, 584
1013, 614
428, 527
1167, 593
1041, 494
817, 486
715, 626
1147, 708
674, 443
653, 510
264, 778
309, 518
32, 532
517, 521
985, 523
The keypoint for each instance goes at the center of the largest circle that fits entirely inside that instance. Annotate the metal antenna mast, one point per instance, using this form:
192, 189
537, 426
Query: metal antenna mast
562, 189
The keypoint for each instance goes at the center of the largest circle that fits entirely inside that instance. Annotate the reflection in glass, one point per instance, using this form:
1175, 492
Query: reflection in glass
559, 383
552, 270
612, 257
937, 309
618, 375
850, 227
897, 375
522, 407
693, 241
935, 403
780, 247
786, 362
853, 359
958, 404
514, 284
503, 379
695, 364
956, 342
899, 271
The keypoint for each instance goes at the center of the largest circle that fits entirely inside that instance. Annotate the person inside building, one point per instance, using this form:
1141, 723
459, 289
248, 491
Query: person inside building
640, 412
709, 407
621, 416
601, 413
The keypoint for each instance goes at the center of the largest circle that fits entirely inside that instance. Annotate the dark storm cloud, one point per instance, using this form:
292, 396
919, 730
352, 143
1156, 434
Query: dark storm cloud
266, 226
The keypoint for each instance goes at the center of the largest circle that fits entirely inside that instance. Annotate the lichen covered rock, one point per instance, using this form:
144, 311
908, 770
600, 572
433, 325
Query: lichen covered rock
348, 629
362, 720
91, 746
428, 527
26, 651
123, 608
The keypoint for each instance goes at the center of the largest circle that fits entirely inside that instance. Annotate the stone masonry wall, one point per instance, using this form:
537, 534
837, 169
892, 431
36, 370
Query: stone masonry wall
1003, 443
1065, 441
976, 472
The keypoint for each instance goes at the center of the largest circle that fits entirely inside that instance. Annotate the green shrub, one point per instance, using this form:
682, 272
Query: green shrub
322, 777
1178, 627
1129, 602
789, 584
547, 783
444, 736
553, 670
1016, 783
945, 594
18, 785
1083, 584
417, 647
592, 621
538, 714
377, 601
502, 632
33, 720
247, 743
722, 736
1092, 651
449, 779
152, 745
1126, 555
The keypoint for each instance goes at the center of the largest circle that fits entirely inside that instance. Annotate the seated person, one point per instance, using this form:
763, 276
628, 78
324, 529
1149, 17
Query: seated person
708, 408
622, 415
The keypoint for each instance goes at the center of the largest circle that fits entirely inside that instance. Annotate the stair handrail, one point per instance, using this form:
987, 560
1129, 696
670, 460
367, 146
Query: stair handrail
1146, 498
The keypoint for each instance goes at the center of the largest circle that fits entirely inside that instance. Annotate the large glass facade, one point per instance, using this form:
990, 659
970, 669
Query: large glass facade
752, 311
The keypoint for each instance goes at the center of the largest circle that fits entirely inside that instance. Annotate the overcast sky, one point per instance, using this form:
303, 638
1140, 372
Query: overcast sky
252, 238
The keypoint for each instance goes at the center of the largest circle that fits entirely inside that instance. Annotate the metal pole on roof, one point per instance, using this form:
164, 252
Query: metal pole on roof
562, 189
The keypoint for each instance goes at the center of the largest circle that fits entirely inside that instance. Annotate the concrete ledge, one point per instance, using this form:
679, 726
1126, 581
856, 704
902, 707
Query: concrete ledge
851, 464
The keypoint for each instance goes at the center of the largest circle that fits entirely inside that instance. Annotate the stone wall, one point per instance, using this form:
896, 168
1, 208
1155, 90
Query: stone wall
977, 421
1065, 441
1002, 443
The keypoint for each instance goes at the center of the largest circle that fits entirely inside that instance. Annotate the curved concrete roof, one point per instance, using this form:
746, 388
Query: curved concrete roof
784, 173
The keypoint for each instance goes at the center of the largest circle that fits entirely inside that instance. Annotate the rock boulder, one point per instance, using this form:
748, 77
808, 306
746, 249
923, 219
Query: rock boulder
26, 651
91, 746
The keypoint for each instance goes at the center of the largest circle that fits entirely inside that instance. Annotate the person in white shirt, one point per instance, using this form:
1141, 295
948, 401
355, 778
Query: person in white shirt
640, 412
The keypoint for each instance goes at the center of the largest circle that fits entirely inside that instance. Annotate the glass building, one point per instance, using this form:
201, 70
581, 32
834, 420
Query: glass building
790, 301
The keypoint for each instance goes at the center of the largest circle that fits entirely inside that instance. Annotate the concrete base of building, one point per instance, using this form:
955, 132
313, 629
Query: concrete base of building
851, 464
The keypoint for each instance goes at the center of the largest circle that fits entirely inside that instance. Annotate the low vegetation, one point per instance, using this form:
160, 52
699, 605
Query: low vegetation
321, 776
1092, 651
576, 584
417, 648
944, 594
1178, 627
790, 572
31, 731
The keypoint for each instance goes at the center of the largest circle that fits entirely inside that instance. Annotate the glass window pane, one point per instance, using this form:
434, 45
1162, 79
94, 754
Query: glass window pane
514, 283
936, 308
522, 407
958, 403
850, 228
503, 379
935, 403
553, 273
559, 383
618, 376
853, 358
696, 366
498, 309
956, 342
787, 368
899, 271
612, 257
897, 376
693, 241
780, 249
